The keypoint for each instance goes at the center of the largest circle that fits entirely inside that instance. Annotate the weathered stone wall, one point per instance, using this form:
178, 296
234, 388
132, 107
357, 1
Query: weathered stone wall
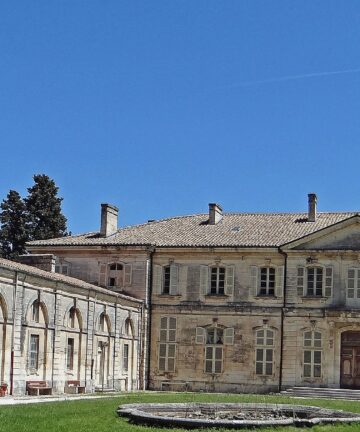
19, 291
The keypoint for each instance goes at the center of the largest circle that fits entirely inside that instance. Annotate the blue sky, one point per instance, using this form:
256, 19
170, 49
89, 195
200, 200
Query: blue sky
161, 107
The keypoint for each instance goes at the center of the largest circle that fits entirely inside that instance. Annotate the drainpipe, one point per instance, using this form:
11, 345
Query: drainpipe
282, 320
148, 307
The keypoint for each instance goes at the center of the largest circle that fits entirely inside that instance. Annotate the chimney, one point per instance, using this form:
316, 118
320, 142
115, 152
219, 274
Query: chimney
312, 207
215, 213
109, 220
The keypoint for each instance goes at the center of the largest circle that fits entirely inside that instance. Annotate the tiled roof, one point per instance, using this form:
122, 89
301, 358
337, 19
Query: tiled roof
234, 230
23, 268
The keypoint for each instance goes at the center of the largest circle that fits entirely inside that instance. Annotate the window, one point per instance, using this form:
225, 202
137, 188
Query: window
35, 311
166, 280
214, 350
72, 317
34, 352
314, 281
70, 354
353, 283
264, 352
217, 281
126, 357
267, 281
167, 345
318, 280
115, 275
104, 324
312, 354
63, 268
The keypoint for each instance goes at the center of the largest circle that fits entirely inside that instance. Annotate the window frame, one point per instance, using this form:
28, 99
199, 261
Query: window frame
267, 286
312, 348
263, 348
70, 350
34, 351
167, 344
355, 282
216, 288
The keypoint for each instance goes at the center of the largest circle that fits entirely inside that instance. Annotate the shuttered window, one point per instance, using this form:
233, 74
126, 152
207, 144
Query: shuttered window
353, 283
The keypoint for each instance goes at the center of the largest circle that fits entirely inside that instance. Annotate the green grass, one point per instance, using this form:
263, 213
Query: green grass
99, 415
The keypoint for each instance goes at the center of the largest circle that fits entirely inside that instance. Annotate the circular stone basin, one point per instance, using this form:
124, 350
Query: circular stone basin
231, 415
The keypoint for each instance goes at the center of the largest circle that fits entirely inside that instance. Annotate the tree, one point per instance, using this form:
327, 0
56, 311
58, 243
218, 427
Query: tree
14, 231
44, 209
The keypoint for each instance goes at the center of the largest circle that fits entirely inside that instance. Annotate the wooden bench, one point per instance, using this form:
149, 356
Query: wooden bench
74, 387
36, 388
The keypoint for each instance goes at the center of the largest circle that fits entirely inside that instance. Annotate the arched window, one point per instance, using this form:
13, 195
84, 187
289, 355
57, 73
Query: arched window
104, 323
312, 354
35, 311
264, 352
74, 318
128, 327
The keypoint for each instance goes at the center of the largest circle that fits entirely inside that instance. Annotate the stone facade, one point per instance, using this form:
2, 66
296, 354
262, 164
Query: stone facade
234, 302
57, 329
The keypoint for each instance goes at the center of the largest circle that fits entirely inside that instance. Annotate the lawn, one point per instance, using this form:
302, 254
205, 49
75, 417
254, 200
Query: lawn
99, 415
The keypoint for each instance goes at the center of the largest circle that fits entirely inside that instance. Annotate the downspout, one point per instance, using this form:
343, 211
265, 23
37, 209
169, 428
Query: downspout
282, 321
148, 307
114, 348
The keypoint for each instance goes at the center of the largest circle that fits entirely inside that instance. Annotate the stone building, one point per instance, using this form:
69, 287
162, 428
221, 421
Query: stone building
233, 301
62, 331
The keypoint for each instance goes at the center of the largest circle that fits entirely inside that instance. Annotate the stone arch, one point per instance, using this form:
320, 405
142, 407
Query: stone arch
73, 318
39, 305
129, 329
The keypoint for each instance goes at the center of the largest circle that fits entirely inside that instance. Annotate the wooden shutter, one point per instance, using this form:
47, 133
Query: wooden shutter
204, 279
183, 273
200, 335
102, 275
127, 274
279, 281
254, 280
300, 281
174, 278
328, 281
157, 279
229, 282
229, 336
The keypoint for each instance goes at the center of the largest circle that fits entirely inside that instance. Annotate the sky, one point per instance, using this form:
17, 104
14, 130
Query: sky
161, 107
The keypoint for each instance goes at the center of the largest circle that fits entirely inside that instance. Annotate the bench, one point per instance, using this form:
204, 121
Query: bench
37, 388
74, 387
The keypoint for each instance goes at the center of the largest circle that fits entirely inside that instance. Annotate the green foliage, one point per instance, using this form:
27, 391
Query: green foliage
99, 415
37, 217
44, 210
14, 230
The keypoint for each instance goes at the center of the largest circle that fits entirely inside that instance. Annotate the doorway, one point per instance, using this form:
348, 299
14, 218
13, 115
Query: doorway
350, 360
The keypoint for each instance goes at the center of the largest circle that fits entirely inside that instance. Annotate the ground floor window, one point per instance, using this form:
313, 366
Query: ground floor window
70, 354
126, 357
213, 359
264, 352
167, 357
312, 354
34, 352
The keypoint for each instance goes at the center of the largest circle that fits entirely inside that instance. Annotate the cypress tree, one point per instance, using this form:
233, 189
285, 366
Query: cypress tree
44, 209
14, 231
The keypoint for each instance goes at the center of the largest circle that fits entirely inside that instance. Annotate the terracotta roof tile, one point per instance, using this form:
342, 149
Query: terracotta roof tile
234, 230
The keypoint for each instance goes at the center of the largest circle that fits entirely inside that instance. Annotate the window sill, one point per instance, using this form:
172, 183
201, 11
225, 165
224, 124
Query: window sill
216, 296
169, 295
321, 298
266, 296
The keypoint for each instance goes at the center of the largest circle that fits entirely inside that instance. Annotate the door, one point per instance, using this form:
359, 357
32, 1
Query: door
350, 360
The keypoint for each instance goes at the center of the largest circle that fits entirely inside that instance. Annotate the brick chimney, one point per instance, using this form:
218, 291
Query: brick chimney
109, 220
312, 207
215, 213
